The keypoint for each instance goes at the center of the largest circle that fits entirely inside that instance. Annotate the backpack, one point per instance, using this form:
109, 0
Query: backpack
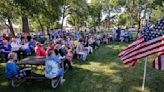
52, 69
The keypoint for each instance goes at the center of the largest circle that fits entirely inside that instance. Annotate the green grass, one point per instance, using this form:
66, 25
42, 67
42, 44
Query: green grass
104, 73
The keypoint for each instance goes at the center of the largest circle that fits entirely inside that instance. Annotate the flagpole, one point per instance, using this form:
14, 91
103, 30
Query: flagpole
144, 75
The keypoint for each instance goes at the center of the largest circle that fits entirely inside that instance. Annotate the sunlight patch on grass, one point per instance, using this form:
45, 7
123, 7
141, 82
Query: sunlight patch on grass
4, 83
2, 64
116, 79
139, 89
116, 47
98, 69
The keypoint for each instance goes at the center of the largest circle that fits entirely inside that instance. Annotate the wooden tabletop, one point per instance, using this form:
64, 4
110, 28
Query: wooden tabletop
33, 60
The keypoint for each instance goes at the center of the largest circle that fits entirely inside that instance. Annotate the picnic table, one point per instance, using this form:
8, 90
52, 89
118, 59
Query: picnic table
36, 61
33, 60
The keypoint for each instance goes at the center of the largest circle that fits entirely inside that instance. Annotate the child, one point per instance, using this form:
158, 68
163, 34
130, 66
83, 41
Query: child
69, 58
12, 69
52, 67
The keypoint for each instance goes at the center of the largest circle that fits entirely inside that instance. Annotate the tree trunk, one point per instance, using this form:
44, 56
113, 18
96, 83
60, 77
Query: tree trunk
63, 16
62, 21
99, 19
41, 26
11, 27
25, 24
131, 20
139, 22
109, 19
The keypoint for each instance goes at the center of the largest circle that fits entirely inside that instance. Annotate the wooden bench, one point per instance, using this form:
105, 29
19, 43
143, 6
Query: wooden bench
17, 81
33, 60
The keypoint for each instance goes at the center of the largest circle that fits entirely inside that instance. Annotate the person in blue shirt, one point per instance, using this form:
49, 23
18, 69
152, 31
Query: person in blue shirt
11, 67
118, 33
5, 49
52, 67
42, 38
126, 35
32, 45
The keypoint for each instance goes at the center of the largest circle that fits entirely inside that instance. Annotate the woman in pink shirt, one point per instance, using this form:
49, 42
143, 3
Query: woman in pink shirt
69, 58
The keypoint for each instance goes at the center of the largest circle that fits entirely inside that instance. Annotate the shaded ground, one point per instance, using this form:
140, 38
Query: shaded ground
104, 73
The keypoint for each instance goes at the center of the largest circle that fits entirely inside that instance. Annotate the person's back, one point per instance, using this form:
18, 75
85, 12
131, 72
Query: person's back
52, 66
11, 69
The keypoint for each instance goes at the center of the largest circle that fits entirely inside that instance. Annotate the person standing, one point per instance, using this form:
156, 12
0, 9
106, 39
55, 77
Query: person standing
118, 33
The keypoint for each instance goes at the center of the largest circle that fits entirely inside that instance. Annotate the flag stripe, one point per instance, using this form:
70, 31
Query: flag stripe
142, 56
145, 48
141, 40
157, 63
138, 41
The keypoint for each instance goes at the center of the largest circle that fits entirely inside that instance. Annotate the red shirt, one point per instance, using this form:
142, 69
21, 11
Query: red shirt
39, 51
48, 49
7, 38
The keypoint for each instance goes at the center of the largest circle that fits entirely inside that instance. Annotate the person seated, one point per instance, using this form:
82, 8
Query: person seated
5, 49
110, 39
25, 48
63, 50
105, 39
18, 39
39, 50
51, 46
53, 68
42, 38
87, 46
32, 44
126, 35
12, 69
16, 47
70, 43
69, 58
81, 50
98, 37
91, 42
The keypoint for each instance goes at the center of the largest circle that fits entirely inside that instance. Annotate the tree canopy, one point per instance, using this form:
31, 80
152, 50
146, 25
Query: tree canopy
48, 14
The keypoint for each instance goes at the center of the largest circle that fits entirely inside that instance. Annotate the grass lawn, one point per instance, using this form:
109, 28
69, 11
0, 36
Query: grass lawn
104, 73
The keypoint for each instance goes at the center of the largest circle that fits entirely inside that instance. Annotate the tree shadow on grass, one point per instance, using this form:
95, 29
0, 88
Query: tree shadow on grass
103, 74
79, 80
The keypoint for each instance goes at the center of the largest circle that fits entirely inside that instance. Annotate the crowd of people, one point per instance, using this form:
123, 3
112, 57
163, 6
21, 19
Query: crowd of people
68, 45
122, 35
54, 47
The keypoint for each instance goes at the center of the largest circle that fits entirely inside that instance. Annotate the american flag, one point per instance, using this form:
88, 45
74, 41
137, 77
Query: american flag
150, 42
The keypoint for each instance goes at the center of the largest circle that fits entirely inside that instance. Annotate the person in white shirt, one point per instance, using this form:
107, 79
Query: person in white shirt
80, 50
18, 39
15, 47
91, 42
26, 48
